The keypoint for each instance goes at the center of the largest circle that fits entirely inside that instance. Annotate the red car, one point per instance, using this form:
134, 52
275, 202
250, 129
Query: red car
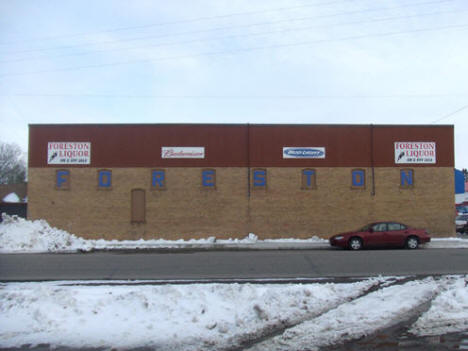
381, 234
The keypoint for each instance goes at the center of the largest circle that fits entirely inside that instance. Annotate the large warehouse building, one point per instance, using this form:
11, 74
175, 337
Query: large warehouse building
197, 180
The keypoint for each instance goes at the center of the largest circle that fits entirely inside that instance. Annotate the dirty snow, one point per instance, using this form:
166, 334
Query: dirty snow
361, 317
18, 235
179, 317
448, 312
220, 316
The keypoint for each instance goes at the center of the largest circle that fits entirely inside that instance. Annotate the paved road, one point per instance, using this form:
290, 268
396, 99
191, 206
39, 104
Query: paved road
201, 265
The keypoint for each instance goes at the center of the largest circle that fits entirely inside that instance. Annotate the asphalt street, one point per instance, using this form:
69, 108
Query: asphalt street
231, 265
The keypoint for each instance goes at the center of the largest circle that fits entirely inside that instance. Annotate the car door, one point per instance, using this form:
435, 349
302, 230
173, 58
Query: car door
377, 236
395, 234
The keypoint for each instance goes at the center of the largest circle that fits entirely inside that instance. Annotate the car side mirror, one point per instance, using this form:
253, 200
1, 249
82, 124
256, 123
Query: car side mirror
371, 230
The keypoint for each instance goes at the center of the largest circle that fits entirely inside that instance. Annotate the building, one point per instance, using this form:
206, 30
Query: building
198, 180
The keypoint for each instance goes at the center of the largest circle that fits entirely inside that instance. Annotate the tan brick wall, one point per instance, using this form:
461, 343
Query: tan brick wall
186, 210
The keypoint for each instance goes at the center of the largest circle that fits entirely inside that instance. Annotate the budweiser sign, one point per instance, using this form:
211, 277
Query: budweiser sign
182, 152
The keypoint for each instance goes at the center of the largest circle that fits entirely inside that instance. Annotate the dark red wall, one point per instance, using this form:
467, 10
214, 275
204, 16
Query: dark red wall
139, 145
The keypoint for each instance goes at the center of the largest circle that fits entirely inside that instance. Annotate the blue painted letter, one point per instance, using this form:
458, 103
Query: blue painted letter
259, 178
358, 178
406, 177
62, 178
308, 173
105, 179
158, 179
208, 178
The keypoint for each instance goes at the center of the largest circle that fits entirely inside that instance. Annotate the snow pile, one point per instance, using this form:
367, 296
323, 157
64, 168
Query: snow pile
361, 317
448, 312
448, 243
12, 198
166, 317
20, 235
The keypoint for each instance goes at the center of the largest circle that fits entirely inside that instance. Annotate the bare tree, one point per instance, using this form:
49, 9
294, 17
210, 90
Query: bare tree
12, 164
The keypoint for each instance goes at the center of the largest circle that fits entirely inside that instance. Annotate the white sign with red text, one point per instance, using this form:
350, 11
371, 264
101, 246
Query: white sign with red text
68, 153
415, 152
182, 152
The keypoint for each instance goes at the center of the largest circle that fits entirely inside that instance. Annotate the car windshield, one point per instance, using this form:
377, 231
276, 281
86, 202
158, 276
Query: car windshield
365, 228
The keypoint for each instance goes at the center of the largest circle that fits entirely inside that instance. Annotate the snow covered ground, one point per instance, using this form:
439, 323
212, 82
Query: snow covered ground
220, 316
18, 235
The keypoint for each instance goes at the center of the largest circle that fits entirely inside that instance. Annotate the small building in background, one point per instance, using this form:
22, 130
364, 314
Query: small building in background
13, 199
460, 186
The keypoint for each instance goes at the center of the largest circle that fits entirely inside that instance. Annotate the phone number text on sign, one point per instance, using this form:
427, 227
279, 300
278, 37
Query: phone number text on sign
68, 153
415, 152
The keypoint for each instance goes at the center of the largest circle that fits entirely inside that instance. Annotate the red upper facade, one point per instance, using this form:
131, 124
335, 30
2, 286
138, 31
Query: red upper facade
241, 145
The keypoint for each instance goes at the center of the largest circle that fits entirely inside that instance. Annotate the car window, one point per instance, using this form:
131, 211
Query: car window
379, 227
365, 228
394, 226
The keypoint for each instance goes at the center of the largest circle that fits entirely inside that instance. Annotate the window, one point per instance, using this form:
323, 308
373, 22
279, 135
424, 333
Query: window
396, 226
158, 179
62, 179
379, 227
406, 178
259, 177
309, 179
208, 179
138, 206
104, 179
358, 179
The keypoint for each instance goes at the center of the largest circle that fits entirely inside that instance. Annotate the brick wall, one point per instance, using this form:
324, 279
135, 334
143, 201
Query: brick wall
187, 210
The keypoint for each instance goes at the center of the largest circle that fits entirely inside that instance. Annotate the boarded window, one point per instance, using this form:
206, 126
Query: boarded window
138, 206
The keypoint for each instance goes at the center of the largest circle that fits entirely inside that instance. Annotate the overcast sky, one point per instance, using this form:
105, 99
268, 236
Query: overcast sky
234, 61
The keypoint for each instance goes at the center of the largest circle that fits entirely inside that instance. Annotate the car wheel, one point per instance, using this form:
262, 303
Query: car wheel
412, 243
355, 244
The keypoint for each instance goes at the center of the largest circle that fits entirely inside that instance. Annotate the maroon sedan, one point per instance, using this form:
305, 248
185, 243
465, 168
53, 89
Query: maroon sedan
381, 234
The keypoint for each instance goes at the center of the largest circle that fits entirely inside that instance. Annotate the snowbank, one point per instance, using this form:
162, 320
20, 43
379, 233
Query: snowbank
361, 317
18, 235
448, 312
223, 316
166, 317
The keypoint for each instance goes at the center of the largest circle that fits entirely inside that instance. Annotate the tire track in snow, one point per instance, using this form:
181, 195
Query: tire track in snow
250, 340
379, 308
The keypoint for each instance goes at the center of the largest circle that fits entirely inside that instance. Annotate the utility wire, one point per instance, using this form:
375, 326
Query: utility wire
236, 51
246, 97
234, 36
192, 20
451, 114
227, 27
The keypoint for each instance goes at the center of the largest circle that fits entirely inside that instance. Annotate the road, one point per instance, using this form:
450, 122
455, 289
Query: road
231, 265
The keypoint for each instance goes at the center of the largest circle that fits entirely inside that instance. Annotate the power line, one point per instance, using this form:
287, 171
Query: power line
228, 27
451, 114
237, 36
247, 97
234, 51
193, 20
